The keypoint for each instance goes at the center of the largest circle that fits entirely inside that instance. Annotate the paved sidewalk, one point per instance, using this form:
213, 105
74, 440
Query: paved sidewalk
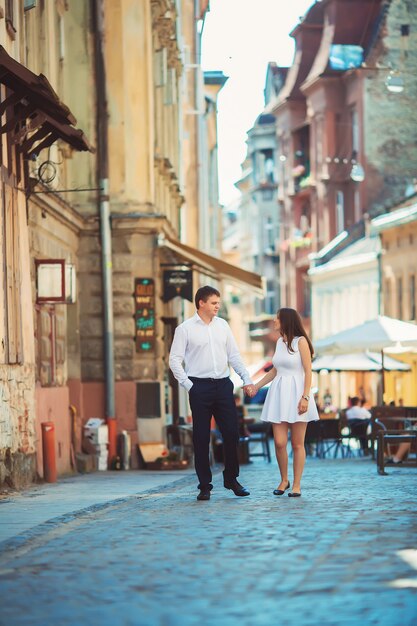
21, 511
343, 554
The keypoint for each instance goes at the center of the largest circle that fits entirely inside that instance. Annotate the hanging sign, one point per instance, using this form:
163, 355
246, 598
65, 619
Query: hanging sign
145, 314
178, 283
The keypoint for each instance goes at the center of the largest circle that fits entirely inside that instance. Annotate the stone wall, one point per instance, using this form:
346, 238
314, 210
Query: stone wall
133, 257
17, 425
390, 119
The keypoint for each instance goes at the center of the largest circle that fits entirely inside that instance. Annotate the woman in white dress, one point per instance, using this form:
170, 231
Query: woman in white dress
288, 403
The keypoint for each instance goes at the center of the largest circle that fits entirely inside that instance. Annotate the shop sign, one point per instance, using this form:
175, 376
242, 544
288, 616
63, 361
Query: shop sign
145, 314
178, 283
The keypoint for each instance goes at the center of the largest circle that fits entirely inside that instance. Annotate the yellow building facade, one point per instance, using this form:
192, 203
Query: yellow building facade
398, 233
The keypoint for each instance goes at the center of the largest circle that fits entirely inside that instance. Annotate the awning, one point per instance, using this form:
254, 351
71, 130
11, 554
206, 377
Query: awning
35, 115
215, 268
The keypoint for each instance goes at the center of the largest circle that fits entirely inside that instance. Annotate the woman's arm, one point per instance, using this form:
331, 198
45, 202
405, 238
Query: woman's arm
306, 361
266, 379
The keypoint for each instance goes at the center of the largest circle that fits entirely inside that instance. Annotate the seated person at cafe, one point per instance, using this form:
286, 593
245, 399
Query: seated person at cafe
358, 420
404, 448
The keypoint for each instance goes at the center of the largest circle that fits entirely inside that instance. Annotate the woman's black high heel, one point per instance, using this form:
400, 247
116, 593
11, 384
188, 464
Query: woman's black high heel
280, 492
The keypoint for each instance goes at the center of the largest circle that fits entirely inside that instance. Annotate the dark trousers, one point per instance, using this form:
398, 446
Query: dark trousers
214, 398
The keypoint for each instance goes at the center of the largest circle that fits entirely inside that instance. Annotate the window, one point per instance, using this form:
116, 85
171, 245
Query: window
269, 166
267, 194
357, 205
10, 311
50, 344
161, 67
306, 296
270, 299
171, 87
400, 297
264, 166
340, 212
269, 235
355, 130
319, 143
61, 39
412, 297
387, 298
9, 15
345, 57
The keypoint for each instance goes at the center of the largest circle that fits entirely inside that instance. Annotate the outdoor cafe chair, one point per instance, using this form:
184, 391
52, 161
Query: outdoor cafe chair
331, 438
313, 440
259, 433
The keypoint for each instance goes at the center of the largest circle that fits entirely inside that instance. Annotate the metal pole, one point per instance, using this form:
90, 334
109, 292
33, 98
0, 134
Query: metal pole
382, 376
203, 231
105, 223
379, 265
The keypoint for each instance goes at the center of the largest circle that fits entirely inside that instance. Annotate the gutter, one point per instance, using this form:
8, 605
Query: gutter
105, 224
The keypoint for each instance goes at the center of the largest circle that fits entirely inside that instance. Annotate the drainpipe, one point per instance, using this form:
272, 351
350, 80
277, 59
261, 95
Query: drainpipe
203, 223
105, 225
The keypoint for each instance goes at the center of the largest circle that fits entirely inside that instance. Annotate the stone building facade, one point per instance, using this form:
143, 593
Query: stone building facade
397, 231
113, 220
37, 127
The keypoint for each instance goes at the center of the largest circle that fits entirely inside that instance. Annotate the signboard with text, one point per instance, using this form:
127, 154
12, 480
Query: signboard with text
178, 283
145, 314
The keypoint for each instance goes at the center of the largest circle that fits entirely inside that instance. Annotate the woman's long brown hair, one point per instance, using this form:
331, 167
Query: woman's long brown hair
292, 326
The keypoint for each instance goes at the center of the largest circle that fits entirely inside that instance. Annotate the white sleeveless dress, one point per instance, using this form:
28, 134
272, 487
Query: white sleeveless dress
287, 388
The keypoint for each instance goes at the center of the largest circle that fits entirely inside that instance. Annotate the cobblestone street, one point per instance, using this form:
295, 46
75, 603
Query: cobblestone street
344, 553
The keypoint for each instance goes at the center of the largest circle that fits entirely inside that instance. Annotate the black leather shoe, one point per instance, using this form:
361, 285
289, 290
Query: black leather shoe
204, 494
237, 488
294, 494
280, 492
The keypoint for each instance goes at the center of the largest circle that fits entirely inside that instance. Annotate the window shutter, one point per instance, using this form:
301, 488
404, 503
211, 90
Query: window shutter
161, 67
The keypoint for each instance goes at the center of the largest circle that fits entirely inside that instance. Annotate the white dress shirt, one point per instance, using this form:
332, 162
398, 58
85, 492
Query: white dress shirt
358, 413
205, 351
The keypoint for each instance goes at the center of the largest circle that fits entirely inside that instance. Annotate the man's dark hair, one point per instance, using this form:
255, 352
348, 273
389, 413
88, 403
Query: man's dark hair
204, 293
354, 401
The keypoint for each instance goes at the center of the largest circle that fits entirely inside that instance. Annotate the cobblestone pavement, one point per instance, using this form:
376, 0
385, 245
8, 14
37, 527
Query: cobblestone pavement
344, 553
22, 510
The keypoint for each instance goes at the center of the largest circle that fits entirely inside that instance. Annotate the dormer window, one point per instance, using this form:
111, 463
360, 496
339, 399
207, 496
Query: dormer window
345, 57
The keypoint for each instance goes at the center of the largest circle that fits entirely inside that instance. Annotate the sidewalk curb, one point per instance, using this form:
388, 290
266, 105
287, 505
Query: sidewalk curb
37, 532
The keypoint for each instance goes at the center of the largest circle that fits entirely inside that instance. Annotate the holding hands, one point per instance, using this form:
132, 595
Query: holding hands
250, 390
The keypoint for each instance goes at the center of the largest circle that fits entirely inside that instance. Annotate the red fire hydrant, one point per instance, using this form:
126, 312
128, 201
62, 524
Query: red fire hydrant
48, 450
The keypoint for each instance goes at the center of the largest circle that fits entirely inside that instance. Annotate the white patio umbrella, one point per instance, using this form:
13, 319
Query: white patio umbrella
358, 362
374, 335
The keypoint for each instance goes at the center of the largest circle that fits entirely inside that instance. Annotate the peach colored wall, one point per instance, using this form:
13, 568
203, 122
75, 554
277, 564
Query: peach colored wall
52, 405
89, 400
93, 400
76, 401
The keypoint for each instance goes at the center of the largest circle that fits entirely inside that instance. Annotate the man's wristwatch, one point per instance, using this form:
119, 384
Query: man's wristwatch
306, 398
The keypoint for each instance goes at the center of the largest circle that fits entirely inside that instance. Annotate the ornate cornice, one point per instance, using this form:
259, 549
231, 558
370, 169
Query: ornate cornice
166, 171
164, 25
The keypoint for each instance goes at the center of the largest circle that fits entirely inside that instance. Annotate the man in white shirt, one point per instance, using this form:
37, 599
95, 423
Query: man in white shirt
358, 419
202, 349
